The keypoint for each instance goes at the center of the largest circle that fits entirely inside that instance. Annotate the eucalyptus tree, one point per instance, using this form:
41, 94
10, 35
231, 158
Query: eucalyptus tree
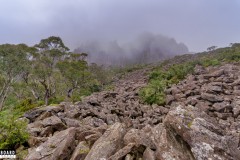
49, 52
14, 60
75, 71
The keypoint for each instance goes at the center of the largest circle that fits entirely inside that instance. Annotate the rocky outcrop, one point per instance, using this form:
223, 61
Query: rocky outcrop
201, 120
108, 143
58, 147
199, 135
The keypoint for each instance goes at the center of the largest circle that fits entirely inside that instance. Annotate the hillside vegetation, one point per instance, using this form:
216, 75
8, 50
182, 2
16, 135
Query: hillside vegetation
43, 74
174, 70
47, 74
193, 113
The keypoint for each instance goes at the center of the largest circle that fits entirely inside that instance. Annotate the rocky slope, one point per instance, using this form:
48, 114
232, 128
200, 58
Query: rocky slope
200, 121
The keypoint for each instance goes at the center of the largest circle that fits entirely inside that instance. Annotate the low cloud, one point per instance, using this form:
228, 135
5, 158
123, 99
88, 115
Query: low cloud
146, 48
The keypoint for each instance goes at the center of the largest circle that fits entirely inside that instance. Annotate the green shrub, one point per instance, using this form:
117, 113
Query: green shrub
154, 93
161, 79
25, 105
210, 62
13, 133
76, 97
56, 100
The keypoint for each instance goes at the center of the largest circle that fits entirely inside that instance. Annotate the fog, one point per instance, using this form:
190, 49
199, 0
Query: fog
111, 25
145, 48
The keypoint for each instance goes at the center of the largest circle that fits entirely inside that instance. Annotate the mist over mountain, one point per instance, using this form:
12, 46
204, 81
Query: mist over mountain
146, 48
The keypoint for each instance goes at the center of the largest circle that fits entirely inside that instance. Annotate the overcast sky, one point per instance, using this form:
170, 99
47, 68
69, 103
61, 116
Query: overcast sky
197, 23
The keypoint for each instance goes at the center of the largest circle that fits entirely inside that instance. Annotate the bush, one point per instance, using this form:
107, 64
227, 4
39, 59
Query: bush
25, 105
13, 133
154, 93
159, 80
56, 100
210, 62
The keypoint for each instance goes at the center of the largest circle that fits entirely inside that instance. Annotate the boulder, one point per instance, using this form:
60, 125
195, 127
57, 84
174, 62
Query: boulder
80, 151
58, 147
71, 110
211, 97
54, 122
236, 106
36, 112
222, 107
200, 134
213, 88
36, 141
140, 137
122, 152
33, 114
72, 122
108, 144
149, 154
35, 128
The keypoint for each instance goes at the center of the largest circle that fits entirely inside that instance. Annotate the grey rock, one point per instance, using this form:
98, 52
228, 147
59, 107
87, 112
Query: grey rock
211, 97
54, 122
58, 147
149, 154
80, 151
108, 144
122, 152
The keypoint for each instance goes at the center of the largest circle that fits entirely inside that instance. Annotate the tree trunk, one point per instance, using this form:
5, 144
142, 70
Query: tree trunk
3, 95
2, 100
69, 93
46, 97
36, 96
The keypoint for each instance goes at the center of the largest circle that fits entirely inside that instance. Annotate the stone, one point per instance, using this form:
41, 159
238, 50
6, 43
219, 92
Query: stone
33, 114
129, 157
72, 122
139, 137
43, 116
216, 89
80, 151
149, 154
93, 137
71, 111
58, 147
47, 131
199, 70
201, 134
224, 116
215, 74
122, 152
211, 97
54, 122
35, 141
222, 107
54, 108
202, 106
34, 128
107, 144
236, 106
169, 99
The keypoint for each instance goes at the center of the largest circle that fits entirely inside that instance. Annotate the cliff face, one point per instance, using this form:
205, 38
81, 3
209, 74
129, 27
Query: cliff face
200, 121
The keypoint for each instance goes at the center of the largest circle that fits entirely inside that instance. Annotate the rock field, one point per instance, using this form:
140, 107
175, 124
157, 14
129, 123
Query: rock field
201, 120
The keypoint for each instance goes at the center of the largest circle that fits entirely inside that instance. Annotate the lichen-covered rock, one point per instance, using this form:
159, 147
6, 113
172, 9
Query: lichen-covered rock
58, 147
122, 152
108, 144
55, 122
80, 151
201, 134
